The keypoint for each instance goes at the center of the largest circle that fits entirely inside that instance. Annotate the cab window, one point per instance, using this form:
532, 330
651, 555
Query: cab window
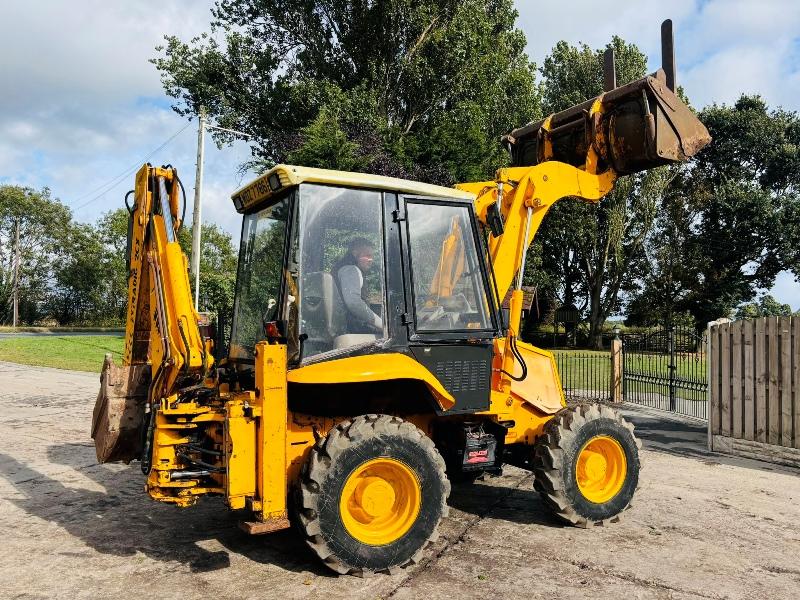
340, 255
447, 280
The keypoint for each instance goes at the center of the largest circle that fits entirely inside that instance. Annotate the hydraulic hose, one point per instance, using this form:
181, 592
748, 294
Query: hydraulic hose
183, 193
512, 344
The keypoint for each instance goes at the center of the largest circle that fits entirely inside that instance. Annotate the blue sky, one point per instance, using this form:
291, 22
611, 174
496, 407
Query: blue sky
82, 108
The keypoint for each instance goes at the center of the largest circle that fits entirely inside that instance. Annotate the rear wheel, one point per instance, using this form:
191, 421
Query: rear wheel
372, 495
587, 464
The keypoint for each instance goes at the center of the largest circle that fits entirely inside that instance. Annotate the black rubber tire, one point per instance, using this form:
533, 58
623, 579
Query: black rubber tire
334, 458
555, 458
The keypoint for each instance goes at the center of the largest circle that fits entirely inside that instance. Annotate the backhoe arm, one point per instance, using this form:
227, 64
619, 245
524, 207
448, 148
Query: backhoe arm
164, 349
162, 324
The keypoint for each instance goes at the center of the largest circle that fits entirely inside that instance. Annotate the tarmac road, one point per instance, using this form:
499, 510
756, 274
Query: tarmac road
703, 526
15, 334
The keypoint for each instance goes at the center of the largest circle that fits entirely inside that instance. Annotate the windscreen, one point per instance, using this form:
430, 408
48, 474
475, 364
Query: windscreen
258, 283
342, 268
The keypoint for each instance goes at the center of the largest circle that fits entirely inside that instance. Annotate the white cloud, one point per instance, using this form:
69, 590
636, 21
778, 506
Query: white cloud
723, 48
81, 104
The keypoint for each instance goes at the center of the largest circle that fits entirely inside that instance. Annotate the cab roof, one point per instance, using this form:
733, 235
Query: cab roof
281, 177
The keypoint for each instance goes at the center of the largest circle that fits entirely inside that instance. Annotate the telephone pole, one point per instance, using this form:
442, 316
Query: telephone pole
16, 275
196, 217
197, 223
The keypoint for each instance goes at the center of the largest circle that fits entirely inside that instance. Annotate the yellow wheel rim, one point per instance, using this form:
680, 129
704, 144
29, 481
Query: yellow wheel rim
601, 469
380, 501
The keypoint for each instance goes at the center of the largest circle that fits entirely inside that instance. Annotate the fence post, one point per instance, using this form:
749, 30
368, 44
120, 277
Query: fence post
672, 368
710, 411
616, 369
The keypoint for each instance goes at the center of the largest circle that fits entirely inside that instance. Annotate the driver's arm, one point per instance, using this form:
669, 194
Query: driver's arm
350, 282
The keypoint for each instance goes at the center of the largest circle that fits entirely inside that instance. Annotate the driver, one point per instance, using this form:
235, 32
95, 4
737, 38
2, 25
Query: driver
349, 272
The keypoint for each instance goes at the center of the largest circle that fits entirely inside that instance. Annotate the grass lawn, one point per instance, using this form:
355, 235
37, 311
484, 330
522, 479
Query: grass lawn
78, 353
584, 369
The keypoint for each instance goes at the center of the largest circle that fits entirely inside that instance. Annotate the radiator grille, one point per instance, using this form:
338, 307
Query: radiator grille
463, 375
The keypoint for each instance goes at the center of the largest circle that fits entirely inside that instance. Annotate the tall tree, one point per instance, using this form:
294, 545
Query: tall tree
218, 260
594, 253
79, 280
405, 87
765, 306
112, 229
41, 220
734, 215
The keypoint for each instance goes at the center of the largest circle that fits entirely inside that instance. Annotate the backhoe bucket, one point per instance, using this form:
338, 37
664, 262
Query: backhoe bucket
119, 411
641, 125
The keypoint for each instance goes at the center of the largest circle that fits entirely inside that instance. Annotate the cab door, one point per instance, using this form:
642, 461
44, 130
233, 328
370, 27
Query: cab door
452, 317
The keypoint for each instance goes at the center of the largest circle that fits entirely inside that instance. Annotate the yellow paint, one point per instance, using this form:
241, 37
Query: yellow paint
258, 191
380, 501
528, 420
541, 388
240, 454
175, 422
539, 187
270, 362
161, 322
372, 367
601, 469
450, 268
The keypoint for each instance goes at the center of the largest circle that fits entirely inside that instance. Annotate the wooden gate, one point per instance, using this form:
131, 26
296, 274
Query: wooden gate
754, 380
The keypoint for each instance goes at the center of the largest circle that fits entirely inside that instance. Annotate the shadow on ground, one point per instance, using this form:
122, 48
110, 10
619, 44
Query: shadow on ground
520, 504
123, 521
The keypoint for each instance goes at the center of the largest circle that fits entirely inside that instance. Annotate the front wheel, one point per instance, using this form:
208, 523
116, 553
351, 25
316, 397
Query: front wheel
587, 464
372, 495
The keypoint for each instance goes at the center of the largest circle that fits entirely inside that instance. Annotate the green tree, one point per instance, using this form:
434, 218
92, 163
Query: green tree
593, 253
766, 306
89, 278
733, 218
112, 229
76, 294
421, 89
41, 220
218, 260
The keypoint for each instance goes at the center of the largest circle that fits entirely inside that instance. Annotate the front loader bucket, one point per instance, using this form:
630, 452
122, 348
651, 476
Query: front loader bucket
642, 125
119, 411
638, 126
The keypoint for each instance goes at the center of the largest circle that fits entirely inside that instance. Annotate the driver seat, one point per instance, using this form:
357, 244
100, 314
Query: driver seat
323, 319
324, 316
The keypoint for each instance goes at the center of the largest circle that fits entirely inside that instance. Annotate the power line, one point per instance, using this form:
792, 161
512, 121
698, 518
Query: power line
115, 181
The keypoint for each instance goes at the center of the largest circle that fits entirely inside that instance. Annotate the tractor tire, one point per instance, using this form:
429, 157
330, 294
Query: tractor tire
586, 464
372, 494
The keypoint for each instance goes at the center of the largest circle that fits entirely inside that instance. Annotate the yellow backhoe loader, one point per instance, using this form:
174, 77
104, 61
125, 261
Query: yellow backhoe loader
370, 363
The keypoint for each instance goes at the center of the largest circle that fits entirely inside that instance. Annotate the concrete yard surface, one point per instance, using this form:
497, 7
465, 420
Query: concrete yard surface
702, 526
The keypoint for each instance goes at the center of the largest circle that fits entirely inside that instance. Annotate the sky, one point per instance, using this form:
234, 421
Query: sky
81, 108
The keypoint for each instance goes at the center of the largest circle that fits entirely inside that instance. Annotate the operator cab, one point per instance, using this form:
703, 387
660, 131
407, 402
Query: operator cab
346, 264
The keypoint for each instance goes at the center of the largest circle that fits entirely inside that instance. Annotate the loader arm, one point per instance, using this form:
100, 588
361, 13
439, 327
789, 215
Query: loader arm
580, 152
